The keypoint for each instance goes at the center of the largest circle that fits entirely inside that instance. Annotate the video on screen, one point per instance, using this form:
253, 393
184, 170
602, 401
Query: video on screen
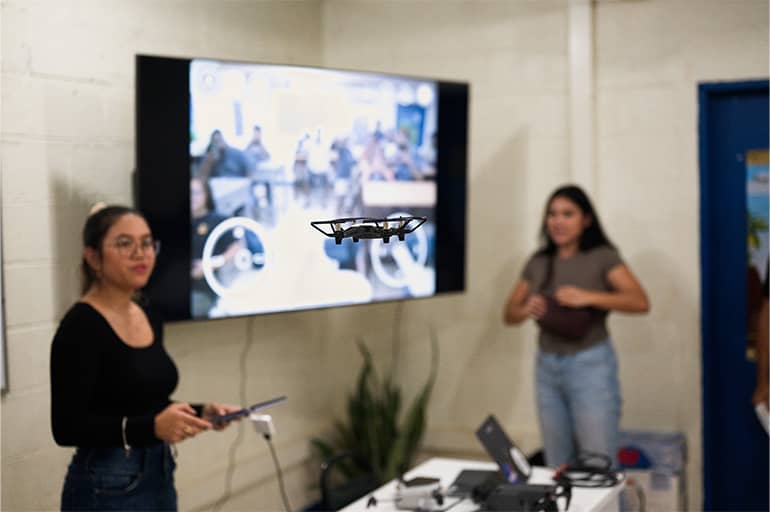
273, 148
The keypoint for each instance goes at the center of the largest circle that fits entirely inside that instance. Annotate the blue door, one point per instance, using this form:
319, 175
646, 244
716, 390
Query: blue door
733, 120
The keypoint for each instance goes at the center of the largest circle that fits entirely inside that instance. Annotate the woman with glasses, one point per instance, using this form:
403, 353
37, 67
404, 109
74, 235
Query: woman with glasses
111, 378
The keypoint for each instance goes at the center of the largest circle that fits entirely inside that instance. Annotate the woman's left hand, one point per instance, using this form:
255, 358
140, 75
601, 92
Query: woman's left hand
573, 296
212, 410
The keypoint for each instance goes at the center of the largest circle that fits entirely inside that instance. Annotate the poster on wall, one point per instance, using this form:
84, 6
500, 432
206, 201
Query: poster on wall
757, 203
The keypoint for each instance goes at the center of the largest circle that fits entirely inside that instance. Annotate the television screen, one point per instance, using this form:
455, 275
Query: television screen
235, 160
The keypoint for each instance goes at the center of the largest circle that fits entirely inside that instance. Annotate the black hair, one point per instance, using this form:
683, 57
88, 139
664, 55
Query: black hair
206, 190
210, 145
592, 236
95, 229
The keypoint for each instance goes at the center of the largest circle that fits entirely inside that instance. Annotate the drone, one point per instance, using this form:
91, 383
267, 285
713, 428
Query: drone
367, 227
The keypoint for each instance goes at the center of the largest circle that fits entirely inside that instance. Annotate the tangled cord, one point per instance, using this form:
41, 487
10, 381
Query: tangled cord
588, 470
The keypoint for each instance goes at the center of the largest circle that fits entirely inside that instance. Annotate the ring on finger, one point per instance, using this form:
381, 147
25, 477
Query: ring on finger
188, 431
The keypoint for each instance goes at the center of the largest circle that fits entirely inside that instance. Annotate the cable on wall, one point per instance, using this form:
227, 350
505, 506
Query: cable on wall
279, 473
242, 399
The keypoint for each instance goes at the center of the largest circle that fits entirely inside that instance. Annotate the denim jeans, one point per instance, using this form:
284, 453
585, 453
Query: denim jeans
578, 399
106, 479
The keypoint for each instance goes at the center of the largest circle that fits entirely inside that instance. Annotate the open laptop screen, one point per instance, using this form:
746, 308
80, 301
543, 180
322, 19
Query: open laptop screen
512, 462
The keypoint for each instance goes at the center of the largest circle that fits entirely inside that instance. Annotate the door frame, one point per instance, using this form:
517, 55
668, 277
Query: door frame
709, 296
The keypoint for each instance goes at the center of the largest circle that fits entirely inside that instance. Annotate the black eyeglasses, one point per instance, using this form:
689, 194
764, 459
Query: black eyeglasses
127, 246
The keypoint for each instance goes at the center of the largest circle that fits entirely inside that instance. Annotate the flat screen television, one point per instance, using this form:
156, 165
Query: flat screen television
235, 160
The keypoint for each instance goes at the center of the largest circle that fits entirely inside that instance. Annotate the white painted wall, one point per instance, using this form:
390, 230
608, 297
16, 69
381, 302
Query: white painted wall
514, 55
649, 57
67, 140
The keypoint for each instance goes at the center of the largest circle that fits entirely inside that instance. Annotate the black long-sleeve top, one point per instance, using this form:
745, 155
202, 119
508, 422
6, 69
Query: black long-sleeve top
97, 379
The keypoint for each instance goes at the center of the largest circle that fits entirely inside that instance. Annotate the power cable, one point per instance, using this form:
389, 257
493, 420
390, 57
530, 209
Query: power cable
242, 397
278, 472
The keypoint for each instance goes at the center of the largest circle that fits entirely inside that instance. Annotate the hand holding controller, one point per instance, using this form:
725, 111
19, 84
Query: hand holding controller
213, 411
222, 419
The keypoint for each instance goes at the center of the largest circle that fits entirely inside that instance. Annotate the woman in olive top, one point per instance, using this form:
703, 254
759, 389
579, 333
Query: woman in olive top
569, 286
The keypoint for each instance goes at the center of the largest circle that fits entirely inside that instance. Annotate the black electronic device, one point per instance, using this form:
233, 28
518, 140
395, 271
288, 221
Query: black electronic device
358, 228
248, 410
509, 458
470, 482
420, 481
527, 498
234, 159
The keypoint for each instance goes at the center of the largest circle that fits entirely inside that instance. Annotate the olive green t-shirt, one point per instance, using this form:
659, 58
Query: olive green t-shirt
585, 269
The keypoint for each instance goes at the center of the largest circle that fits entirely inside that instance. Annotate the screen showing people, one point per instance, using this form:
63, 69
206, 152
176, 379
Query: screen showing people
273, 148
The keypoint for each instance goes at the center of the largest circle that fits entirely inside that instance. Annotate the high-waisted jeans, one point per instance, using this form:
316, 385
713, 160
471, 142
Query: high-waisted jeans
578, 399
107, 479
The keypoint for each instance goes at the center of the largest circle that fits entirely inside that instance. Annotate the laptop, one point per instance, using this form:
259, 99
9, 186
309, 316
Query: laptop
509, 458
512, 464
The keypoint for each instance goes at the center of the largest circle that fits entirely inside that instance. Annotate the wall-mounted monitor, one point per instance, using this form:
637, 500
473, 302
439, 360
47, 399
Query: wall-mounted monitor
236, 159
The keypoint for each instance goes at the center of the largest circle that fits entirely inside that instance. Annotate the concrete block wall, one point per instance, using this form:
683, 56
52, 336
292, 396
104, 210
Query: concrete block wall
649, 57
514, 56
67, 141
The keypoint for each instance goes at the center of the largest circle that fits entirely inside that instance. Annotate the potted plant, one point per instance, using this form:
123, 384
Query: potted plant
376, 442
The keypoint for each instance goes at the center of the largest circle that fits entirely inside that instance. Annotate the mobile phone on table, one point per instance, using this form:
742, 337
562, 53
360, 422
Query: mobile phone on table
248, 410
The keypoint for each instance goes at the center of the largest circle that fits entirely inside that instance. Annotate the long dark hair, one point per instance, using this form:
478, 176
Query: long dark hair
95, 229
206, 190
592, 236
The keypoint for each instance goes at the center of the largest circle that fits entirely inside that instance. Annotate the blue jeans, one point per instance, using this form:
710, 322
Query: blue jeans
578, 400
105, 479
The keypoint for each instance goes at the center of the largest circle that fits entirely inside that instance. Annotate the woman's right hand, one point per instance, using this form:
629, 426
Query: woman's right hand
177, 422
535, 306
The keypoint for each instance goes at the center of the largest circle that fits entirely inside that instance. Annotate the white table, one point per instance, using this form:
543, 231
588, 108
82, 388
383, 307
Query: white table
583, 500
